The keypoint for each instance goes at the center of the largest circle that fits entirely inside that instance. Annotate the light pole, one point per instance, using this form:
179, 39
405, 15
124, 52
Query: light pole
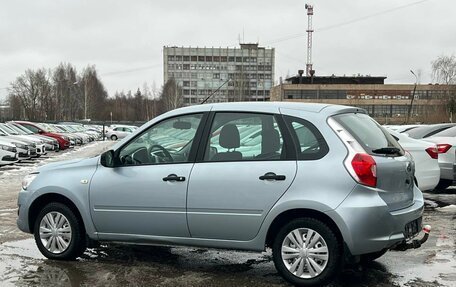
85, 98
413, 97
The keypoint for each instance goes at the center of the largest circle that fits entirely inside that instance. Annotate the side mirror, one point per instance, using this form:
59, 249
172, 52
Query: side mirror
107, 159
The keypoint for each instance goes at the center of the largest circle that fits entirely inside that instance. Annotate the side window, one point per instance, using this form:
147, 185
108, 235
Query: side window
310, 143
118, 129
244, 137
168, 141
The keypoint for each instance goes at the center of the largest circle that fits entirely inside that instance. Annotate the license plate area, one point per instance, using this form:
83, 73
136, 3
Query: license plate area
412, 228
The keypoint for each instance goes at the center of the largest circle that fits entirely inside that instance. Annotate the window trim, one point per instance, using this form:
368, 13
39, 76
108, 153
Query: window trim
193, 149
324, 148
290, 152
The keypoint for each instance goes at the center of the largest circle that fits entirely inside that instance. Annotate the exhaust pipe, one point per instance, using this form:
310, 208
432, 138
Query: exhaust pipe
416, 243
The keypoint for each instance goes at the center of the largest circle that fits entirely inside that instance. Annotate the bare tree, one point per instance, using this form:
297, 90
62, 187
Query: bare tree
171, 95
444, 69
33, 90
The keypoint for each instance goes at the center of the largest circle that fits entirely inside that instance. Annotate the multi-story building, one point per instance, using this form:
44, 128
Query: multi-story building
387, 103
230, 74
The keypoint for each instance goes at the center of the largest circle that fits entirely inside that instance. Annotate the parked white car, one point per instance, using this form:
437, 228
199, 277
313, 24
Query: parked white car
119, 132
425, 156
8, 153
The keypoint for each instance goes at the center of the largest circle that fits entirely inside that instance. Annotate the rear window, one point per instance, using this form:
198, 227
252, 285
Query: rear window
451, 132
369, 134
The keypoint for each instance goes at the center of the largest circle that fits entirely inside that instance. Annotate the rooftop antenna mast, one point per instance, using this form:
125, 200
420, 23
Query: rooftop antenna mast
309, 71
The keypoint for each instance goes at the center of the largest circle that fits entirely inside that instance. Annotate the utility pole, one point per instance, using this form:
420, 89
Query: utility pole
309, 40
413, 97
85, 99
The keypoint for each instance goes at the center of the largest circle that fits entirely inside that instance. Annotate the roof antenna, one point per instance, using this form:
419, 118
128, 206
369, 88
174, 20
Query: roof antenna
213, 93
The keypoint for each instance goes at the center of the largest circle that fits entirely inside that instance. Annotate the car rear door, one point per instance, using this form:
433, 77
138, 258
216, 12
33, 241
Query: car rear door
238, 177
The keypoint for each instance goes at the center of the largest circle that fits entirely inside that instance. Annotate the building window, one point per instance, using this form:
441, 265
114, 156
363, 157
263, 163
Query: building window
170, 58
201, 58
186, 58
208, 58
194, 58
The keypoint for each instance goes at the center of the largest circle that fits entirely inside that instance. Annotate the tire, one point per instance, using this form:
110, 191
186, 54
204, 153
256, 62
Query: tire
114, 137
75, 240
333, 260
369, 257
444, 184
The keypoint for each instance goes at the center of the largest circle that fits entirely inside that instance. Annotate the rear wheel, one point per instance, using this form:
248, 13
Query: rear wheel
114, 137
59, 233
444, 184
306, 252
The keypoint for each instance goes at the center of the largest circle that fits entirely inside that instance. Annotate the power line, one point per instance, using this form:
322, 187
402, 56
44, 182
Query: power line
345, 23
130, 70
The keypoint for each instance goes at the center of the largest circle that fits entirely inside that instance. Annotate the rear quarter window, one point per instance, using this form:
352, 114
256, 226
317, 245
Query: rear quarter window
310, 144
369, 134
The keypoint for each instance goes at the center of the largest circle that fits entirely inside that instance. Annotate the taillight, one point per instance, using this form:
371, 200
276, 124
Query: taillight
443, 148
433, 152
365, 168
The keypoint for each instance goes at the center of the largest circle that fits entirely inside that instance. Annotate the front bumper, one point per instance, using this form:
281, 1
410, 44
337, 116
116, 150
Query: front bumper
368, 226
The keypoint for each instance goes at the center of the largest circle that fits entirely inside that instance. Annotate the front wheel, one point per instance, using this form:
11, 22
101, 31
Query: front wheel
306, 252
59, 233
114, 137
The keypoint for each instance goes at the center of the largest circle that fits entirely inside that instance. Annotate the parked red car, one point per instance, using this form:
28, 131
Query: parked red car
64, 141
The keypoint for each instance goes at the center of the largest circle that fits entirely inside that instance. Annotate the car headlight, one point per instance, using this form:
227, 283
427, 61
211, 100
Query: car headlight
28, 180
8, 148
21, 146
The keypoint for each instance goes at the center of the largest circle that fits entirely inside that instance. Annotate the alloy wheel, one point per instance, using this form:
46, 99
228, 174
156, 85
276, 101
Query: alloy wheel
305, 253
55, 232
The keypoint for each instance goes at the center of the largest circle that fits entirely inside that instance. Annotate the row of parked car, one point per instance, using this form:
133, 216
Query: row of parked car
433, 148
21, 140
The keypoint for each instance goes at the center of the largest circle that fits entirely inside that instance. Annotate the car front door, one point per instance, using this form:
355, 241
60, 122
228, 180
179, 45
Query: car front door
247, 166
145, 194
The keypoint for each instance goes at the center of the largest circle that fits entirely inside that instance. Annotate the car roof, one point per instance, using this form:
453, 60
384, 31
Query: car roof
267, 106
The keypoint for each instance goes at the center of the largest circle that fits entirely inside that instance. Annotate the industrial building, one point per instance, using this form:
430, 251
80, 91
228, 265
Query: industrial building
387, 103
230, 74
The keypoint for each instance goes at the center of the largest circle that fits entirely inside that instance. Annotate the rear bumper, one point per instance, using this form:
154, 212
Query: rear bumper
447, 170
366, 223
428, 179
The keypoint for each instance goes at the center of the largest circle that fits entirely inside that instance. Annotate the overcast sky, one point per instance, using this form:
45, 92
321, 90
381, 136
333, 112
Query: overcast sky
125, 39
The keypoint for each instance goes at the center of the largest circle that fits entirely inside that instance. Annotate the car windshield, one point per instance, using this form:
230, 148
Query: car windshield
22, 128
8, 130
16, 129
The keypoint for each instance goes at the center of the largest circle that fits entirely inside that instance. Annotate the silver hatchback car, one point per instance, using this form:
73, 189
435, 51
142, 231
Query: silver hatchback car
320, 184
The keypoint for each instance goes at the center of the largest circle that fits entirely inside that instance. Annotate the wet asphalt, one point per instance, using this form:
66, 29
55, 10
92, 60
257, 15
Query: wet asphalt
21, 264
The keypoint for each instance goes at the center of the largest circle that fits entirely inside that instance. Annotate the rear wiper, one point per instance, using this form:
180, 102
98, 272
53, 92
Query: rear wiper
387, 150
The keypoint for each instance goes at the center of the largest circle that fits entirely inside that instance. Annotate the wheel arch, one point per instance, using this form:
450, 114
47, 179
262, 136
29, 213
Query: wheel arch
288, 215
43, 200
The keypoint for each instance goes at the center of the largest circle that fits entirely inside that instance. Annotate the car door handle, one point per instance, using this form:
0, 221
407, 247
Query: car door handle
272, 176
173, 177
